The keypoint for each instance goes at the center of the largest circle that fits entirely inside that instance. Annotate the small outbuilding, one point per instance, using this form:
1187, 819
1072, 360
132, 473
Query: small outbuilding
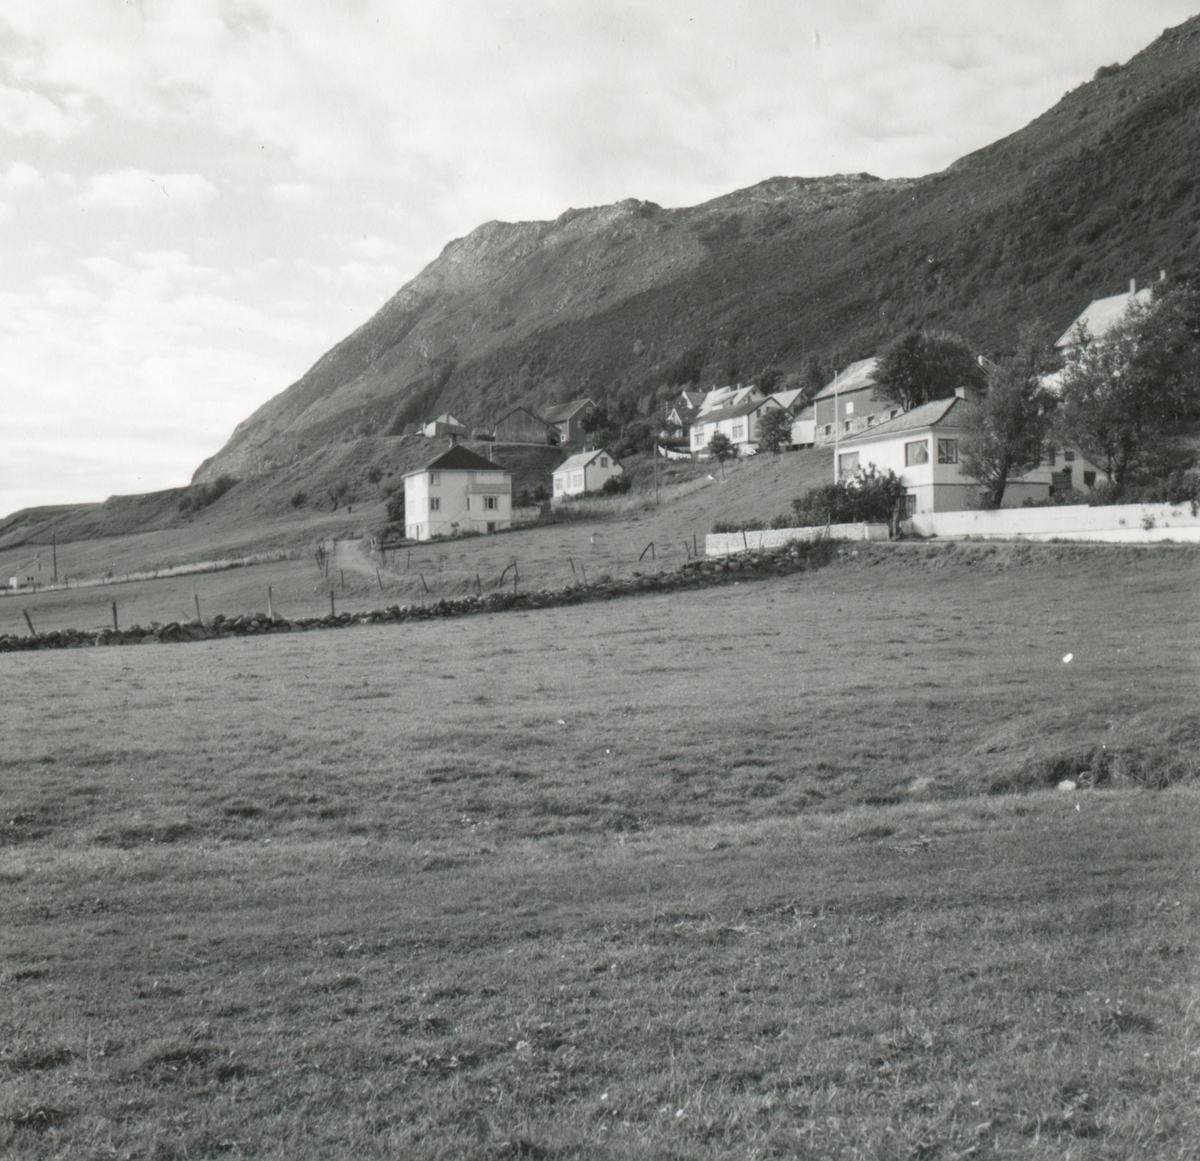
445, 424
585, 472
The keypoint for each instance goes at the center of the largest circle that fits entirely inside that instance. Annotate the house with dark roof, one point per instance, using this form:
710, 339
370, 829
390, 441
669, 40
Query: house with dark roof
586, 471
922, 447
568, 418
739, 422
456, 493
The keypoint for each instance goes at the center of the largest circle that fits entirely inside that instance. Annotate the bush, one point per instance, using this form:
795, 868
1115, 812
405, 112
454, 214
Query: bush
395, 508
869, 496
298, 498
375, 475
532, 497
202, 495
616, 485
739, 526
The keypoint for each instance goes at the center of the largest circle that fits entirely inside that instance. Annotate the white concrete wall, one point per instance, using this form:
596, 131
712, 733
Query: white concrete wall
727, 543
1118, 523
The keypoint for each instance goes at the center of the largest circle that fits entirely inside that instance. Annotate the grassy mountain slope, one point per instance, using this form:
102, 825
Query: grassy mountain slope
628, 302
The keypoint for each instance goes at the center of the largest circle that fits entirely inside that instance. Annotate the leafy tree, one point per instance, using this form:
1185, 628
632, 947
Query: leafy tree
299, 499
1122, 393
600, 427
1006, 432
868, 495
920, 366
815, 372
774, 429
721, 448
395, 507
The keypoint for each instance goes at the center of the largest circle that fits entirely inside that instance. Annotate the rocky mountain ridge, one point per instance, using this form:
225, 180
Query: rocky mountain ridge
628, 303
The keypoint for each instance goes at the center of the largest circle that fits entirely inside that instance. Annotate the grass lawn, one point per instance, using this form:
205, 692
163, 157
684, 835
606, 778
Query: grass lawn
722, 873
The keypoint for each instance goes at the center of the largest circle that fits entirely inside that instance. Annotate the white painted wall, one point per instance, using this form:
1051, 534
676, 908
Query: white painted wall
727, 543
576, 481
456, 502
1119, 523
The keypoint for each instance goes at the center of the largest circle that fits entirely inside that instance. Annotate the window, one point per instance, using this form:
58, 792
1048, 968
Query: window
870, 421
1089, 479
850, 407
908, 506
604, 461
848, 425
829, 429
916, 453
739, 431
1069, 456
847, 464
435, 478
434, 503
489, 501
947, 451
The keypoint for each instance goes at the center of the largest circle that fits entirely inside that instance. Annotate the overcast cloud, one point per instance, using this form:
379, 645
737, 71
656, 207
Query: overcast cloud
199, 197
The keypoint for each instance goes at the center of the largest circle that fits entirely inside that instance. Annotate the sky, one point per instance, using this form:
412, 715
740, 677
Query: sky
198, 198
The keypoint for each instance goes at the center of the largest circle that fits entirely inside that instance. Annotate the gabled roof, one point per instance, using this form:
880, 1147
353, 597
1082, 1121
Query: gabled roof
691, 398
927, 415
563, 411
1102, 314
785, 399
446, 417
458, 459
683, 415
855, 377
582, 459
717, 414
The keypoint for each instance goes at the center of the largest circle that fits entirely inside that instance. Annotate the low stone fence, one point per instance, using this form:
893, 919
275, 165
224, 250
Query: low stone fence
1118, 523
725, 543
695, 574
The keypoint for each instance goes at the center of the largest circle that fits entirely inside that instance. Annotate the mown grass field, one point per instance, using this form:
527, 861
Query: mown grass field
775, 869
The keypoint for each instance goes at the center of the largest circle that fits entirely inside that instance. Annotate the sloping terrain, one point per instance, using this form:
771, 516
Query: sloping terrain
628, 302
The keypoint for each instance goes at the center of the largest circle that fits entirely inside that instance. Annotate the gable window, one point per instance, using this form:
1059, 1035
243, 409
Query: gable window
947, 451
489, 501
604, 461
1068, 456
850, 407
435, 503
916, 453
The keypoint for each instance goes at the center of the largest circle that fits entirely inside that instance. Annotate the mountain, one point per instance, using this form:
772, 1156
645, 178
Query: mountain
629, 302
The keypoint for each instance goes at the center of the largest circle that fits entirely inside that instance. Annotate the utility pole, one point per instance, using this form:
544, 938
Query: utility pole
55, 543
656, 471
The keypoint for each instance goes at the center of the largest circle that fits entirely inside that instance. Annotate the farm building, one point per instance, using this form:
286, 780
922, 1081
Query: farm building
521, 426
568, 418
922, 447
445, 424
851, 402
585, 472
455, 493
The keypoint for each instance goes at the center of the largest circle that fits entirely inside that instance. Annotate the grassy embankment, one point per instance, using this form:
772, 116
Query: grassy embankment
597, 538
708, 874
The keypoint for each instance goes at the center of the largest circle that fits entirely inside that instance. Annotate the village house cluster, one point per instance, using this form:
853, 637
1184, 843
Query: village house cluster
461, 492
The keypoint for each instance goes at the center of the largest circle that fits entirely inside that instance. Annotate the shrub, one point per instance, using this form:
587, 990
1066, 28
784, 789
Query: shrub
869, 495
201, 495
298, 498
395, 508
532, 497
375, 474
739, 526
616, 485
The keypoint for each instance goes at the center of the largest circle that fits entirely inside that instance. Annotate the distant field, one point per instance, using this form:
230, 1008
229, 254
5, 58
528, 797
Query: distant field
713, 874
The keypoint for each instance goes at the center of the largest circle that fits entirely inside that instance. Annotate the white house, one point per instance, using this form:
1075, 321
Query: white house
1102, 314
445, 424
585, 472
922, 447
739, 422
804, 427
455, 493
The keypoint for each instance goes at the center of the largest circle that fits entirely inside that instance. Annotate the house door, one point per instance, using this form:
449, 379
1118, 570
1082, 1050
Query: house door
1060, 481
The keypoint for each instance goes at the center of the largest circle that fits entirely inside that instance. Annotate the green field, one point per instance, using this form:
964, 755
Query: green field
767, 870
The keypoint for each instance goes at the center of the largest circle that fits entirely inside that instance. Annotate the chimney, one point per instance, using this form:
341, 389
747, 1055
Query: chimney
960, 392
1133, 286
1162, 276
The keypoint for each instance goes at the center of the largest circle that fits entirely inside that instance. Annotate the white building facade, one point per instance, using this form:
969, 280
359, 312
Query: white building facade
585, 472
456, 494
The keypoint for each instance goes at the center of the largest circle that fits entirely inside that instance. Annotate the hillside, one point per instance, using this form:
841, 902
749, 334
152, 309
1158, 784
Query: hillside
628, 302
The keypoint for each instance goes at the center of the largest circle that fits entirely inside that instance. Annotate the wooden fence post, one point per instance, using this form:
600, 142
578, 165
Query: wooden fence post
115, 627
332, 609
196, 598
32, 630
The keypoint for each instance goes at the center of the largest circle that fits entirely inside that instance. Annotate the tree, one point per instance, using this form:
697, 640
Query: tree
1006, 432
395, 507
721, 448
774, 429
1121, 395
920, 366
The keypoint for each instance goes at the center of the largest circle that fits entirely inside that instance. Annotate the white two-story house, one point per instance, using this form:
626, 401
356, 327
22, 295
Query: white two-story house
922, 447
455, 493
